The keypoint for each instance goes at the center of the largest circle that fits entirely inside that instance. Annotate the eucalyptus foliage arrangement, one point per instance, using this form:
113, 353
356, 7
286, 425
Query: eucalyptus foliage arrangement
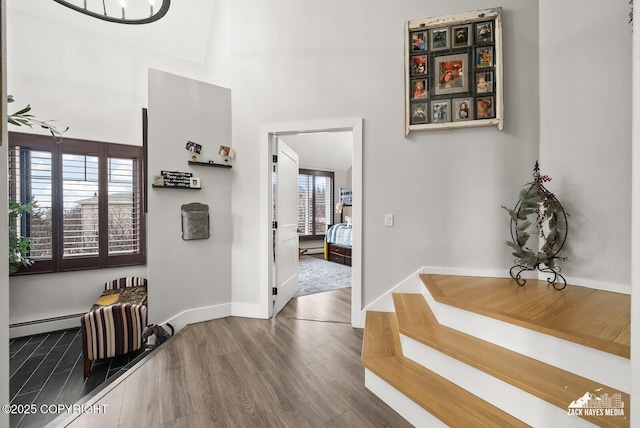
539, 212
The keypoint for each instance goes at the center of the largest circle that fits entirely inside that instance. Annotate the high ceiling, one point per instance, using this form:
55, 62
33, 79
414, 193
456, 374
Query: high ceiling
183, 32
323, 150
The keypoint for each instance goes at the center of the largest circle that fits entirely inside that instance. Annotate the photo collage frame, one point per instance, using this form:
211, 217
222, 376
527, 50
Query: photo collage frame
453, 71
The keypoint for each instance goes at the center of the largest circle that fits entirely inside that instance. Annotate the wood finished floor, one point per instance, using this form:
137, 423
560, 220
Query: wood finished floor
596, 318
299, 369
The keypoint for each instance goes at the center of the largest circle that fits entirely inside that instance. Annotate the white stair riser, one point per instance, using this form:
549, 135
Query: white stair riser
407, 408
608, 369
518, 403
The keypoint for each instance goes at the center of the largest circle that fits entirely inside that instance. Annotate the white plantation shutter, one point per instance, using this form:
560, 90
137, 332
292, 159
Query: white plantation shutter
125, 206
315, 202
80, 210
30, 172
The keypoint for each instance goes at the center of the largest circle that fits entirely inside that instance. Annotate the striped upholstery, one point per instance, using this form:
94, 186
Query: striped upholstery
113, 330
129, 281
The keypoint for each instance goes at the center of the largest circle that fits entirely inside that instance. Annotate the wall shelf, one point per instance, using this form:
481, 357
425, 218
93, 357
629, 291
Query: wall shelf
155, 186
216, 165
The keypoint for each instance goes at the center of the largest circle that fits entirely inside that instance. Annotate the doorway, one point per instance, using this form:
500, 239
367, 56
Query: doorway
268, 132
325, 160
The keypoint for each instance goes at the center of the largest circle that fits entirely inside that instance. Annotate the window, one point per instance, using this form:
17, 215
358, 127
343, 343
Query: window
315, 203
87, 202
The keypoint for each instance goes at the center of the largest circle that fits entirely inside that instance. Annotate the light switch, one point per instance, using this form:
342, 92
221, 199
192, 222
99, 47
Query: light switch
388, 220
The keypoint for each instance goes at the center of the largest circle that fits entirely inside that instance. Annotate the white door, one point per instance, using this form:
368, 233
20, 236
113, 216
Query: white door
286, 230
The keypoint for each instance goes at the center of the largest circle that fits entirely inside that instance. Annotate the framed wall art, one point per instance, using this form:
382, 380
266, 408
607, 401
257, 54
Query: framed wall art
453, 71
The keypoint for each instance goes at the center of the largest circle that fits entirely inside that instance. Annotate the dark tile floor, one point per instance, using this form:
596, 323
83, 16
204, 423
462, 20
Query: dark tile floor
48, 369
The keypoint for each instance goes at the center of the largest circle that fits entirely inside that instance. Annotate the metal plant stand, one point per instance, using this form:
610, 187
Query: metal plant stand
552, 227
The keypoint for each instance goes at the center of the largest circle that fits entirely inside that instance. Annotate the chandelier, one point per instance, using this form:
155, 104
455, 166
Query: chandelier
120, 11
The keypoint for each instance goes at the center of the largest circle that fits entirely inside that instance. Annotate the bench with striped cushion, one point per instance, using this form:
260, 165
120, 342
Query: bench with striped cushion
114, 329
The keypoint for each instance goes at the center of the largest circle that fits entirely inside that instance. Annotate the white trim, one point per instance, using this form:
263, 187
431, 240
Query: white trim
248, 310
598, 285
529, 408
407, 408
192, 316
608, 369
265, 267
384, 303
44, 327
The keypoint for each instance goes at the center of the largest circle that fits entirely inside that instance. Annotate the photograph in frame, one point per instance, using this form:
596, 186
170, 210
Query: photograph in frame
462, 109
461, 36
419, 113
484, 82
193, 147
194, 183
439, 39
419, 65
440, 111
450, 73
485, 108
419, 41
484, 57
484, 32
419, 89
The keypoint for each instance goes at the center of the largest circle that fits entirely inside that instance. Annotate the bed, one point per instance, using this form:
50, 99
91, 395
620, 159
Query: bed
338, 241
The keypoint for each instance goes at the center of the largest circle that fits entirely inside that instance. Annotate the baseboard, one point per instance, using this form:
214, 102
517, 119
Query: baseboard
47, 325
384, 303
192, 316
598, 285
248, 310
503, 273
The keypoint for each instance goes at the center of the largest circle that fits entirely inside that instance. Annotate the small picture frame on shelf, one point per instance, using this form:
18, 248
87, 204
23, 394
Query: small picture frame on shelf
440, 111
440, 39
226, 151
194, 182
461, 36
484, 32
193, 147
462, 109
485, 108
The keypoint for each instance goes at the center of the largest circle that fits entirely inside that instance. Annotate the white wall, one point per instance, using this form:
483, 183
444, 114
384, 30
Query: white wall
303, 61
194, 275
97, 87
585, 133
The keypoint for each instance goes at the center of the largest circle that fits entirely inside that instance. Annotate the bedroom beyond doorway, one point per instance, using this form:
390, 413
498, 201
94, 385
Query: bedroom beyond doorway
316, 275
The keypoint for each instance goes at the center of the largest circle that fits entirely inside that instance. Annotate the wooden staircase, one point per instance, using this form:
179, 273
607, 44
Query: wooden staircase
433, 374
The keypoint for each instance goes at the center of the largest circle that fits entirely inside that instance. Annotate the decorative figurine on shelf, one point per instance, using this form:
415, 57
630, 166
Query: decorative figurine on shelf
194, 158
549, 220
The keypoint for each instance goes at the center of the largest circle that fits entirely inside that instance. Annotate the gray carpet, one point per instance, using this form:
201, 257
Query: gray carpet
316, 275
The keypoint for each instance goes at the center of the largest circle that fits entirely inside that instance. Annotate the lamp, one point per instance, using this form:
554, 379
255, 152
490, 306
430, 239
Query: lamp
120, 11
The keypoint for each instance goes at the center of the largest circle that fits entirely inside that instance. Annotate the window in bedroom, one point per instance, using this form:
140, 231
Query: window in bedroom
315, 203
87, 201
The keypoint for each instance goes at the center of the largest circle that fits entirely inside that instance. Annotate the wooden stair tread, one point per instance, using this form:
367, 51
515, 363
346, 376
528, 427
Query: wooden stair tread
551, 384
593, 318
448, 402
